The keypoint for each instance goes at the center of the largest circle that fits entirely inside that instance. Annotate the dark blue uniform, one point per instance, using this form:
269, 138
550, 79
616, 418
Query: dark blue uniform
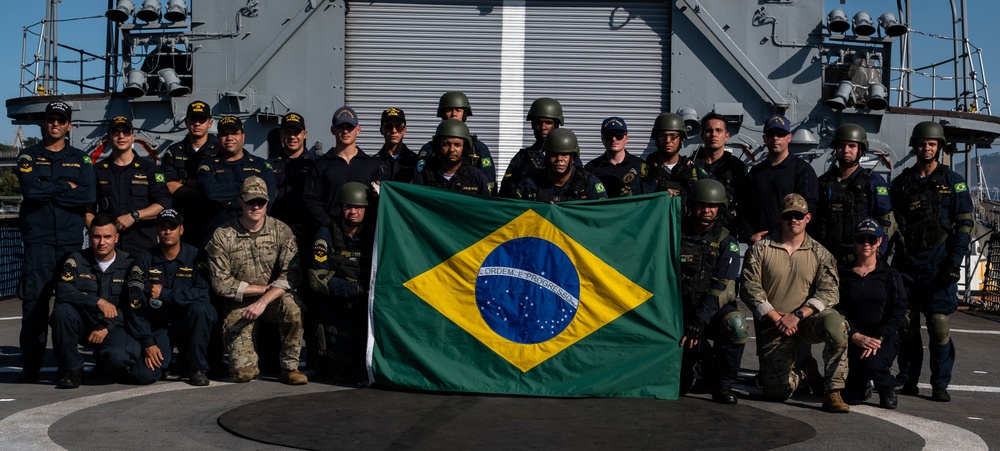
182, 315
842, 204
329, 173
75, 315
290, 176
480, 158
538, 187
935, 221
179, 164
710, 266
732, 173
526, 161
466, 179
400, 168
760, 200
221, 182
622, 179
874, 306
124, 189
52, 225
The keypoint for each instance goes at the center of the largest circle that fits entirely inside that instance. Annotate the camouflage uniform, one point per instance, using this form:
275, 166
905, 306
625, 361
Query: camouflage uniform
774, 280
238, 259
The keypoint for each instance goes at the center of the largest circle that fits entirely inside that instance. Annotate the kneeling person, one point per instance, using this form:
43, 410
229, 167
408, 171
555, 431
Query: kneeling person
169, 304
254, 266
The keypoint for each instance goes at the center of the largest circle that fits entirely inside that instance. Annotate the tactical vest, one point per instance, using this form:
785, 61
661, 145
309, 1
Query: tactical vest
917, 209
535, 160
470, 156
698, 259
842, 205
576, 189
679, 178
345, 264
462, 181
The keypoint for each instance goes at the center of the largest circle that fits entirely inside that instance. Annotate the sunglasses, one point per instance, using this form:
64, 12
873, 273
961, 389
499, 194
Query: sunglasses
56, 120
788, 216
120, 132
617, 135
775, 133
395, 127
256, 202
865, 239
672, 136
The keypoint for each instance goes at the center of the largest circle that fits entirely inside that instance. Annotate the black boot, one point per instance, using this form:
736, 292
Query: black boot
72, 379
887, 399
724, 395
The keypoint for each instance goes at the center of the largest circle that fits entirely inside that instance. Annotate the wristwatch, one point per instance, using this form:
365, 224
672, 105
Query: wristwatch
135, 215
799, 314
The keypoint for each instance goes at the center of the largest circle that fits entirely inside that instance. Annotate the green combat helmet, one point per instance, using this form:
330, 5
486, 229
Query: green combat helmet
561, 140
669, 122
453, 128
545, 107
927, 130
851, 132
708, 191
352, 193
454, 99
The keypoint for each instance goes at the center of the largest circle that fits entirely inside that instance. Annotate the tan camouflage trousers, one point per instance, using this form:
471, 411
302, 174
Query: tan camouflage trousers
778, 353
238, 335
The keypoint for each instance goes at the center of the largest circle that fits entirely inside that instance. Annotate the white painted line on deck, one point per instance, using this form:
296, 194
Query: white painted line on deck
968, 331
29, 429
936, 435
972, 388
7, 399
10, 318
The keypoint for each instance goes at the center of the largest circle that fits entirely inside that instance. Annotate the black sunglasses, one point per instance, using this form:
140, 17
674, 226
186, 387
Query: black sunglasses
616, 135
56, 120
776, 133
790, 215
256, 202
866, 239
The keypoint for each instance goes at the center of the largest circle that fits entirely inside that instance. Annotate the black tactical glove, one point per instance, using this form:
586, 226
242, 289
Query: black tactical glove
951, 272
694, 329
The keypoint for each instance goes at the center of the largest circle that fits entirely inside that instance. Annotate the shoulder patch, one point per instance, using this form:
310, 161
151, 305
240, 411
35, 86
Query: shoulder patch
87, 160
268, 165
961, 187
486, 162
881, 191
71, 262
734, 247
136, 304
204, 167
67, 276
200, 265
160, 178
599, 187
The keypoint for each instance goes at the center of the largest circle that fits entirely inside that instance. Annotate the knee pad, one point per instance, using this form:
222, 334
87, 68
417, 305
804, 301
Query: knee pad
835, 327
938, 329
735, 328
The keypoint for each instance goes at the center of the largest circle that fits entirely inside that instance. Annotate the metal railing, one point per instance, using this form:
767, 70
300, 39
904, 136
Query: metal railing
11, 256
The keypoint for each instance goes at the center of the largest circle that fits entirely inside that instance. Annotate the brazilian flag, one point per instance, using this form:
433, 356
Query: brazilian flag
517, 297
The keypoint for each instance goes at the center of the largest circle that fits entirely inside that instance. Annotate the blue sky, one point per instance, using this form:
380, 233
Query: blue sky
929, 16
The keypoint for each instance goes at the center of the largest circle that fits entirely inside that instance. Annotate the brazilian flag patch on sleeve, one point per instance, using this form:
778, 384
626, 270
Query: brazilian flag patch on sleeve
734, 247
961, 187
160, 178
882, 191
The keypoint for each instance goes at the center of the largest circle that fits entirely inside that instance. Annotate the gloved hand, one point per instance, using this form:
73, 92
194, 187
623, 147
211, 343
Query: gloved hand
694, 329
951, 272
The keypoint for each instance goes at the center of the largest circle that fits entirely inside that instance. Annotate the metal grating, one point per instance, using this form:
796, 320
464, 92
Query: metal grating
11, 256
991, 281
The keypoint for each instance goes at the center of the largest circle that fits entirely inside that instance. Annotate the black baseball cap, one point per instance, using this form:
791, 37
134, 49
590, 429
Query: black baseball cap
294, 120
170, 215
232, 122
393, 113
118, 121
61, 108
199, 109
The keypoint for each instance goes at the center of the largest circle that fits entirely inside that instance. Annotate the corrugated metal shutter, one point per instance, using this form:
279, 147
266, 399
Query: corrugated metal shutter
598, 59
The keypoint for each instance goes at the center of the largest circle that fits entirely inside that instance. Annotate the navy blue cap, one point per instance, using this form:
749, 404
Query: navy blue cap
868, 226
345, 115
614, 124
777, 122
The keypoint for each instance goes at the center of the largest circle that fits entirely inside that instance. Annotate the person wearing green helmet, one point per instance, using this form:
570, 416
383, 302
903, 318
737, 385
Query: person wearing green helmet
669, 170
710, 265
619, 171
848, 193
447, 168
455, 105
339, 270
935, 230
545, 115
560, 180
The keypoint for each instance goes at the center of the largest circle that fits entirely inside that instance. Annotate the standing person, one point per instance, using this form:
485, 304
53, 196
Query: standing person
88, 296
669, 170
619, 171
455, 105
254, 266
398, 162
169, 306
340, 271
343, 163
770, 181
790, 282
221, 177
934, 211
179, 166
545, 115
130, 190
710, 265
713, 160
447, 168
873, 301
291, 168
57, 183
847, 194
560, 180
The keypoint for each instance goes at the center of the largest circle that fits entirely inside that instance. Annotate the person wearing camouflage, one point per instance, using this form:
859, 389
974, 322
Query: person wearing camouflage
254, 265
790, 282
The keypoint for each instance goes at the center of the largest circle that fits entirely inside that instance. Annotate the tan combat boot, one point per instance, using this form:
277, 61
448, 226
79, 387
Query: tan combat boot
293, 377
832, 402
